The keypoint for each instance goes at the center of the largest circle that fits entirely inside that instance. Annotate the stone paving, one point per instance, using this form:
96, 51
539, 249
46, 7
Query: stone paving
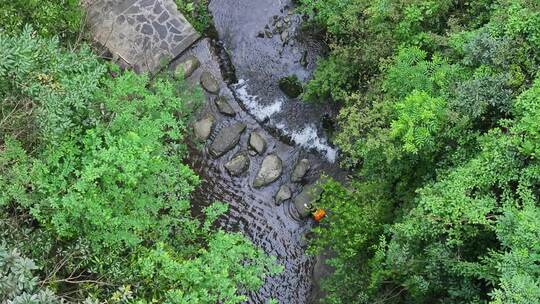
141, 34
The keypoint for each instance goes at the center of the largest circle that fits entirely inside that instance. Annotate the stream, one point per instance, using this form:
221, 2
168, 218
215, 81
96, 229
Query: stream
247, 63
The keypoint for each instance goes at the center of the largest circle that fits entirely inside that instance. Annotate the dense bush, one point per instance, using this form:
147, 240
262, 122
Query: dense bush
44, 89
94, 188
438, 128
62, 18
17, 282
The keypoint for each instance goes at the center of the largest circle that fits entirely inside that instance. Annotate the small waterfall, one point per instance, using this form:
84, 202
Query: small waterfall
307, 137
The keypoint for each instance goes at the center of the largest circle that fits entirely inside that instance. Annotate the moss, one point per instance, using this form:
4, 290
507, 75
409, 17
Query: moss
291, 86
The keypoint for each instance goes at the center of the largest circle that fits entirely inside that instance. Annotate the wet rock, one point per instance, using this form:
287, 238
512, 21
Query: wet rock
271, 169
260, 34
283, 194
224, 107
226, 139
209, 82
303, 60
257, 142
300, 170
285, 37
238, 164
304, 200
291, 86
187, 67
203, 127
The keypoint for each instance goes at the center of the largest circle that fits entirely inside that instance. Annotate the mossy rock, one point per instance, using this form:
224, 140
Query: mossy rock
291, 86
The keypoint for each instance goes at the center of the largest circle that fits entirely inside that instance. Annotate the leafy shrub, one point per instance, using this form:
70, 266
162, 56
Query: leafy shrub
420, 118
118, 171
410, 70
332, 79
45, 88
230, 264
485, 49
51, 17
196, 11
17, 283
484, 98
351, 232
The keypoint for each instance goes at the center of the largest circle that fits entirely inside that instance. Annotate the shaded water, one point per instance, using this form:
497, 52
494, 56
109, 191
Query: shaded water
292, 130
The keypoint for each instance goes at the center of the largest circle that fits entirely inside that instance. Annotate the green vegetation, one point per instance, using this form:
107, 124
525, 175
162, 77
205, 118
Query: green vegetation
18, 283
93, 188
196, 11
62, 18
439, 125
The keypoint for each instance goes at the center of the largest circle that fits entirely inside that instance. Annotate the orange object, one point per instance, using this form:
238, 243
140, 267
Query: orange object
319, 214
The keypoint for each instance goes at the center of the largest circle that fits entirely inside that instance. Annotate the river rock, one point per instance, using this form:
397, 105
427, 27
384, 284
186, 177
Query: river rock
279, 25
271, 169
285, 36
203, 127
209, 82
226, 139
187, 67
283, 194
238, 164
224, 107
303, 60
300, 170
257, 142
306, 198
291, 86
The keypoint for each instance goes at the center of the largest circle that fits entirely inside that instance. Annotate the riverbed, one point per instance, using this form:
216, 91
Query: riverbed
257, 56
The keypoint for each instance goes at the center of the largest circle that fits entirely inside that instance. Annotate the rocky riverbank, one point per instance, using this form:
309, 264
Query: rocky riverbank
262, 172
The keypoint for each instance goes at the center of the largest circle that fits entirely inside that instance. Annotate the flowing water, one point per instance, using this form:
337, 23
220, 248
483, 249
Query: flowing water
249, 78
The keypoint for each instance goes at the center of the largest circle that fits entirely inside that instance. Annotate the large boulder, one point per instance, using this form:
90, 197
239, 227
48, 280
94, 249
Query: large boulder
209, 82
203, 127
238, 164
226, 139
271, 169
187, 67
224, 107
257, 142
304, 200
284, 193
300, 170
